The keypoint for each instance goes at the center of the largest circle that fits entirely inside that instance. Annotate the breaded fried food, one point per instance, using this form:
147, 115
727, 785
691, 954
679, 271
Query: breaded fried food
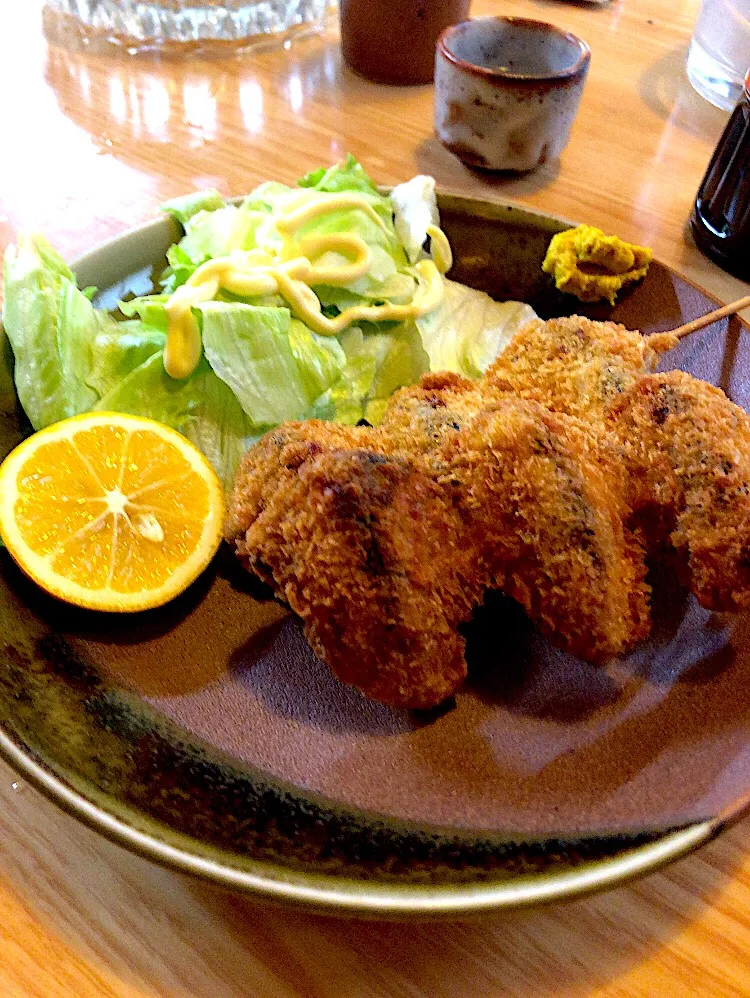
551, 479
422, 417
683, 444
384, 541
686, 450
370, 552
575, 365
545, 511
542, 502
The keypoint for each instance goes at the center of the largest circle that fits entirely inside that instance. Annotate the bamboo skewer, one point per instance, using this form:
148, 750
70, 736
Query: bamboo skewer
661, 342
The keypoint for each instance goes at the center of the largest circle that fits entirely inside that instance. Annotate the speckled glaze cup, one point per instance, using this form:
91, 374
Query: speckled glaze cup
507, 90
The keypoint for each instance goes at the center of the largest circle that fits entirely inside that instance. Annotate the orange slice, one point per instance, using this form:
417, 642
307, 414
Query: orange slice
110, 511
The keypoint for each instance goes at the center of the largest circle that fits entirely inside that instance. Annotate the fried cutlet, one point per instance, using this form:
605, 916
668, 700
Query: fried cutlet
384, 541
574, 365
367, 549
686, 451
549, 479
683, 444
531, 484
545, 510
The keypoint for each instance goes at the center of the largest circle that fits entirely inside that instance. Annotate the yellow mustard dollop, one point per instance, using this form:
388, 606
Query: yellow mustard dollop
292, 276
591, 265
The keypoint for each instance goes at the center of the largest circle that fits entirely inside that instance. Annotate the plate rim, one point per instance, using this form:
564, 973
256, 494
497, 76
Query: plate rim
339, 895
333, 893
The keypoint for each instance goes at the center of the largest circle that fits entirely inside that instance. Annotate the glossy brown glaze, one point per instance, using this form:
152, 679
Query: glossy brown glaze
393, 41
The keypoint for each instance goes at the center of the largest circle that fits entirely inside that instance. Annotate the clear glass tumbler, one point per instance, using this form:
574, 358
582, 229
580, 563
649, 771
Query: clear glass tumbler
719, 54
178, 24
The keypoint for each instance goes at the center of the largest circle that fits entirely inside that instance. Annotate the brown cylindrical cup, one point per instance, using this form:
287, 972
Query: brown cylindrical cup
393, 41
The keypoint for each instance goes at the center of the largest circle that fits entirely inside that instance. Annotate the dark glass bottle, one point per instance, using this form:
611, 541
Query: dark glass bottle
721, 216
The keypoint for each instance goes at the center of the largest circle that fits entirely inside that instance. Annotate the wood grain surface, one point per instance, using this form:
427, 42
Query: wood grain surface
91, 143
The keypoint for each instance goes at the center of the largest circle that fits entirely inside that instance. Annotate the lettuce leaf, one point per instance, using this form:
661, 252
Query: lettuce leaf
50, 325
215, 233
377, 363
151, 308
202, 407
118, 350
389, 277
276, 367
400, 359
183, 208
468, 329
211, 230
346, 176
348, 396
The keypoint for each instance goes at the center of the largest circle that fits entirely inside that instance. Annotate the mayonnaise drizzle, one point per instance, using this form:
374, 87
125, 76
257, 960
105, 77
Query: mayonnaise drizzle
254, 273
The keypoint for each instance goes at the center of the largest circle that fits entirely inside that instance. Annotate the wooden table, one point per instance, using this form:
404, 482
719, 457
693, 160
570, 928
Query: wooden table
91, 144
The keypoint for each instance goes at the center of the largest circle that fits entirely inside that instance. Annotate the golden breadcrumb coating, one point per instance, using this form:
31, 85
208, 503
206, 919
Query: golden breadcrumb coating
551, 478
368, 549
573, 365
384, 540
686, 450
545, 510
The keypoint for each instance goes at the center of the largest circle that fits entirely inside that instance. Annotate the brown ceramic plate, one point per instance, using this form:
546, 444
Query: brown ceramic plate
206, 735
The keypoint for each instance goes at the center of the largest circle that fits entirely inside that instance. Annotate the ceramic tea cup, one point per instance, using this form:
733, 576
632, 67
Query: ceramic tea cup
507, 90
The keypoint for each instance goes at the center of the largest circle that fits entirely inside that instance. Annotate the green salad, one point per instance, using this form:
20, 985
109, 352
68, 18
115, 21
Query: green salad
310, 301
